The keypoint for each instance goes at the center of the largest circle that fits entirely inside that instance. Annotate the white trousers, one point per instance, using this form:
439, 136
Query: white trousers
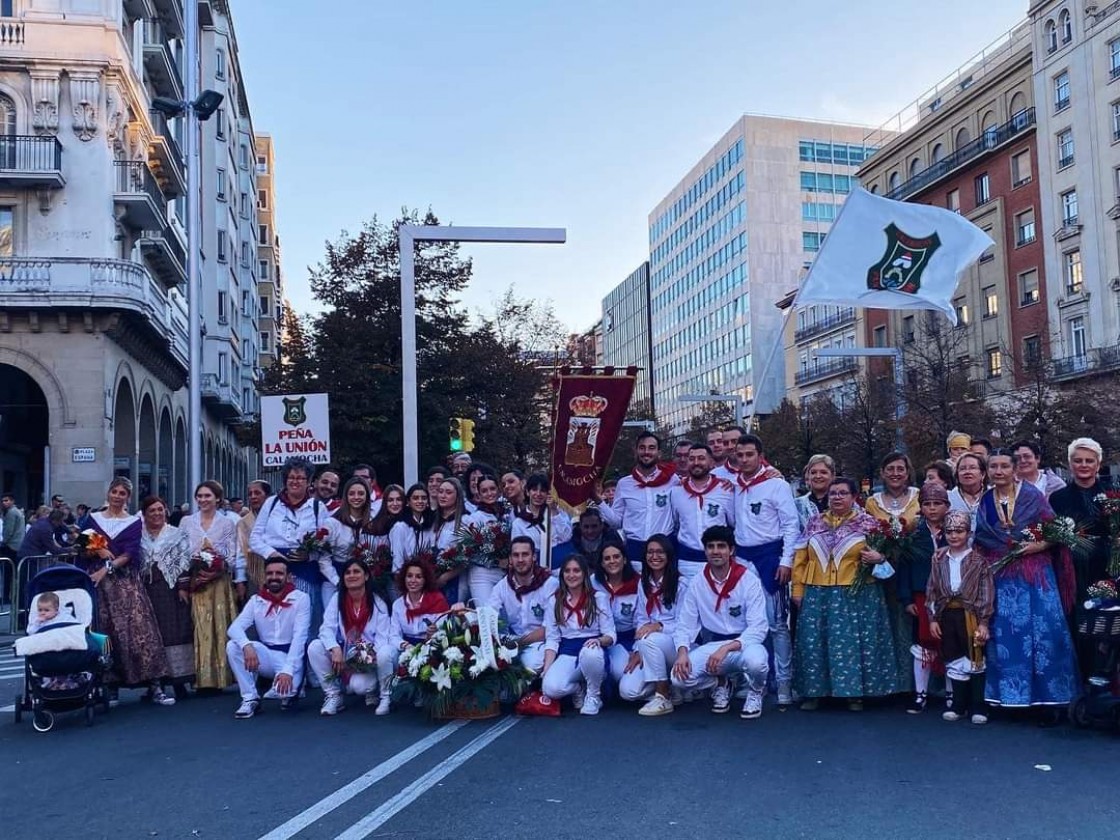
320, 659
271, 663
566, 673
752, 662
781, 641
658, 654
532, 656
481, 582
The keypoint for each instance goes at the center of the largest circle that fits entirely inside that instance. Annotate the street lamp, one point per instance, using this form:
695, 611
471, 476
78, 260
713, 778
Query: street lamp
409, 235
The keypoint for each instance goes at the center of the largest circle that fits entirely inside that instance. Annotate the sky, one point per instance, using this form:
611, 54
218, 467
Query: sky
580, 114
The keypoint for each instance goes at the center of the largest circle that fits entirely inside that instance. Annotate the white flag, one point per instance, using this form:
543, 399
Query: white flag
884, 254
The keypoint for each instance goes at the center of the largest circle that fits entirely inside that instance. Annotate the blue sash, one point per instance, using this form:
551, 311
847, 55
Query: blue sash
707, 636
413, 640
766, 559
694, 555
280, 648
626, 639
636, 551
305, 570
572, 647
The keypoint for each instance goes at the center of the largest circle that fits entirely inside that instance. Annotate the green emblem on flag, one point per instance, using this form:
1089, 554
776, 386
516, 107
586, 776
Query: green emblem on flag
900, 269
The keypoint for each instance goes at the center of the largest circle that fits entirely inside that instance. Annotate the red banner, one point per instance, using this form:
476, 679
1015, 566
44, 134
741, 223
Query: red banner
590, 410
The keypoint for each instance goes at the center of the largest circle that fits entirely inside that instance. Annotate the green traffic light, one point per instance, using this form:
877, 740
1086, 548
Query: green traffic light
456, 446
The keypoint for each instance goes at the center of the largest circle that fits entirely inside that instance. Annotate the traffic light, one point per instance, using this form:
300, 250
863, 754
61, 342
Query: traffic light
466, 435
455, 433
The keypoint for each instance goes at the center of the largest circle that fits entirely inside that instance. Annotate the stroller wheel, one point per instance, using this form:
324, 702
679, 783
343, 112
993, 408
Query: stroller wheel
19, 708
43, 721
89, 714
1079, 712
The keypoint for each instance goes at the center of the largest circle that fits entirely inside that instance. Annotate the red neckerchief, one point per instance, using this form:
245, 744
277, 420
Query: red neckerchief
287, 502
332, 504
713, 482
355, 622
765, 471
574, 610
627, 587
277, 602
430, 602
653, 598
540, 575
663, 474
737, 572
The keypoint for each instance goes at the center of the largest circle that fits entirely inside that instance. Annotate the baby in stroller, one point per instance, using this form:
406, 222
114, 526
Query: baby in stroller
46, 620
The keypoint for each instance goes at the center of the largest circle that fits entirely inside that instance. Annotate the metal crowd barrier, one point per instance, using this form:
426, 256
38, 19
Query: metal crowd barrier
7, 577
25, 570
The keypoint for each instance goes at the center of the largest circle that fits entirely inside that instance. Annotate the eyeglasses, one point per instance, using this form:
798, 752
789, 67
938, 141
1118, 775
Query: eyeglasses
839, 495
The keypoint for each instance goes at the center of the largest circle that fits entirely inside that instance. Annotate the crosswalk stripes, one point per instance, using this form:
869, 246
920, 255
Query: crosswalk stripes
11, 667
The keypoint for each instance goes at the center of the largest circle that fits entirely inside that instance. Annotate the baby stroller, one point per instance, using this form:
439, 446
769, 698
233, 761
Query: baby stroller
1100, 703
65, 680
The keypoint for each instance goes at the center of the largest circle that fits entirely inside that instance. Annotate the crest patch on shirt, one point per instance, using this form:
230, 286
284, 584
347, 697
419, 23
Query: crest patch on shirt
661, 499
538, 611
756, 508
627, 609
735, 611
713, 509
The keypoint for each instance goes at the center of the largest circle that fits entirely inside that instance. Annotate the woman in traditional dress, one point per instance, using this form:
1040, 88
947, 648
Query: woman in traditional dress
539, 516
972, 480
166, 554
819, 472
212, 602
898, 498
124, 610
256, 494
1030, 657
845, 641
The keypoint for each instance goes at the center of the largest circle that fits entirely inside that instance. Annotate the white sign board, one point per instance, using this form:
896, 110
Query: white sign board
295, 424
83, 454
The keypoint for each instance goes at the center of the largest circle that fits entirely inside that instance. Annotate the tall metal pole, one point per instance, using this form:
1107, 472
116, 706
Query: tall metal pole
408, 356
194, 229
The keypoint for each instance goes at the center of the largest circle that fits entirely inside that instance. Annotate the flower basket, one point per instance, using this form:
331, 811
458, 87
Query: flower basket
467, 709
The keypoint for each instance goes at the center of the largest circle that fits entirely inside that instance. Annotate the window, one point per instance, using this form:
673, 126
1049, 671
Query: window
262, 164
995, 363
245, 205
1061, 91
1051, 36
1021, 168
262, 270
1065, 148
1024, 227
915, 167
1077, 341
220, 123
221, 185
1073, 272
811, 242
246, 305
262, 234
266, 342
990, 253
7, 219
244, 156
953, 200
223, 304
1032, 351
245, 254
809, 181
880, 337
220, 64
991, 302
1116, 121
1066, 25
983, 189
222, 255
266, 310
908, 334
961, 305
1028, 288
262, 199
894, 181
223, 368
1069, 208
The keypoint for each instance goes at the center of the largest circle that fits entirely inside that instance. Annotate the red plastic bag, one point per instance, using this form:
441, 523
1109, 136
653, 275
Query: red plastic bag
535, 703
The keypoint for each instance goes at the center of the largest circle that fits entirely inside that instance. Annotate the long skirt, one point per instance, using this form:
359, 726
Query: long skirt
845, 644
1030, 654
176, 627
125, 615
213, 608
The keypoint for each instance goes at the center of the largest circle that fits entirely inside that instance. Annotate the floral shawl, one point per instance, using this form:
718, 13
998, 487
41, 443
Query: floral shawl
831, 537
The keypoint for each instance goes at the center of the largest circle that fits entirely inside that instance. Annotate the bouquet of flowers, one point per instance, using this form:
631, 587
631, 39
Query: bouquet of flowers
361, 658
378, 560
1109, 505
90, 541
464, 664
314, 542
1059, 530
893, 539
1103, 593
477, 545
205, 566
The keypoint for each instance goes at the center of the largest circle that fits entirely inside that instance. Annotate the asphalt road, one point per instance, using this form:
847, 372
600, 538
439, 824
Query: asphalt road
193, 771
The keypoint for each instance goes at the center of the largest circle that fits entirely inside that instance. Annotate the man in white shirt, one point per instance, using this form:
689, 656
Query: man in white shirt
281, 616
766, 529
726, 607
700, 501
523, 596
641, 500
729, 469
715, 443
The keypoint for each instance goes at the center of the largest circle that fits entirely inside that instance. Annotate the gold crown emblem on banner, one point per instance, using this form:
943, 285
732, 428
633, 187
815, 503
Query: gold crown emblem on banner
587, 405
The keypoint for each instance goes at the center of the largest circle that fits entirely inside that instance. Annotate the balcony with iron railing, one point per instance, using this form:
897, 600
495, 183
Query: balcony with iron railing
160, 62
1097, 360
167, 156
167, 255
823, 325
136, 192
989, 141
29, 161
221, 396
61, 283
826, 369
170, 17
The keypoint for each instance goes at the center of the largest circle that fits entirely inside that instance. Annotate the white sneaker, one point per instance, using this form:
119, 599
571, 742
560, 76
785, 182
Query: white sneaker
271, 694
721, 699
785, 694
979, 720
591, 705
382, 705
655, 706
332, 705
675, 696
752, 707
578, 697
247, 709
951, 716
161, 699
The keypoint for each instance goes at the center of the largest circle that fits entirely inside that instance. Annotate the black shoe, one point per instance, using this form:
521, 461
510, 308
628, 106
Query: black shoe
181, 692
918, 704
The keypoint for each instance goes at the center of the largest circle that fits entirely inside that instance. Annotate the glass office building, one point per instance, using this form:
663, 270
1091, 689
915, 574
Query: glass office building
626, 331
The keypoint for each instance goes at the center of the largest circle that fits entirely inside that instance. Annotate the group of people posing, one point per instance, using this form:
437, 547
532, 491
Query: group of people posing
707, 576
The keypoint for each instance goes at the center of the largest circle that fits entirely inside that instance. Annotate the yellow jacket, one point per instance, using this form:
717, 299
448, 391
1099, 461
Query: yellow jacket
815, 565
909, 514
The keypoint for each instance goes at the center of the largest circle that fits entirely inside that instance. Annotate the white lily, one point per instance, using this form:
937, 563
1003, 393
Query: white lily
453, 654
414, 668
441, 676
506, 654
476, 669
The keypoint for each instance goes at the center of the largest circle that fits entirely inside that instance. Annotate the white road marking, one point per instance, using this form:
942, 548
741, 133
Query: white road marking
375, 819
344, 794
